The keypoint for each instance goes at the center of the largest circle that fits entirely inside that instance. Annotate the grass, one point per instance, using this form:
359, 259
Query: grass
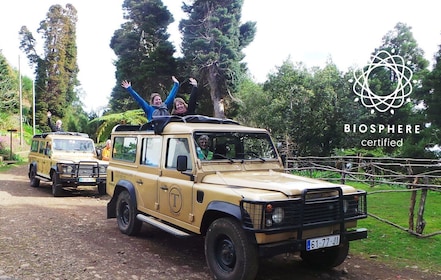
393, 245
389, 244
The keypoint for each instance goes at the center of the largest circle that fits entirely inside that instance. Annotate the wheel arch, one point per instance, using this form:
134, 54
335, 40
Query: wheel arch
31, 166
122, 185
219, 209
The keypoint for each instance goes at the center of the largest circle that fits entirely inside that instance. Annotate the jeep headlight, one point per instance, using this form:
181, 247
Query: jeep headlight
65, 168
275, 215
103, 168
278, 215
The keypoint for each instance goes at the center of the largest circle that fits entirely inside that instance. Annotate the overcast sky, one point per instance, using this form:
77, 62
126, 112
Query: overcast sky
303, 31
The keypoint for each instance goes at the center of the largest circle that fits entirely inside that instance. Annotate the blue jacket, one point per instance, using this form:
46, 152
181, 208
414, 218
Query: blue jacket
150, 110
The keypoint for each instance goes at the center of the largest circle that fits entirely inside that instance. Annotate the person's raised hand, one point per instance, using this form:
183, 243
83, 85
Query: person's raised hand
193, 82
125, 84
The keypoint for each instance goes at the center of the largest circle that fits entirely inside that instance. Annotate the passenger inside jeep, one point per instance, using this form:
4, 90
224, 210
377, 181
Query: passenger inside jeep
203, 148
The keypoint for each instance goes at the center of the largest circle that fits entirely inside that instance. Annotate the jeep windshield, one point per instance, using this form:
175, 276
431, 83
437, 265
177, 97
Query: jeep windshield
73, 145
234, 146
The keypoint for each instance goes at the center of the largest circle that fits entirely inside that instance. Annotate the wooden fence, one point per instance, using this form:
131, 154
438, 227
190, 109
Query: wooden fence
406, 174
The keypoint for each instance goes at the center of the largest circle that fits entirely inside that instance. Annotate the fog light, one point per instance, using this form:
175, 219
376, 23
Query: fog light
269, 223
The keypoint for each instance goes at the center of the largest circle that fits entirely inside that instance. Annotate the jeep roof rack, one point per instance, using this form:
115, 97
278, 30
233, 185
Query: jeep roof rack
157, 124
45, 134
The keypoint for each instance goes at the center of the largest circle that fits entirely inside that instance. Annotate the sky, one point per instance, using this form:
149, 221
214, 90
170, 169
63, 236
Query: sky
310, 32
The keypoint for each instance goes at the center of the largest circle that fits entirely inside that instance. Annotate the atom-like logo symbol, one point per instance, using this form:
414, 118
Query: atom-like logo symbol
389, 101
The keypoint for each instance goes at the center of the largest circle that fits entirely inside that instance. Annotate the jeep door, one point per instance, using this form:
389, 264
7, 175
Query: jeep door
175, 188
147, 178
44, 166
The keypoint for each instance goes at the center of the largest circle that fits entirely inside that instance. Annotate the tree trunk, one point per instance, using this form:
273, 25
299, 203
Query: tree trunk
215, 92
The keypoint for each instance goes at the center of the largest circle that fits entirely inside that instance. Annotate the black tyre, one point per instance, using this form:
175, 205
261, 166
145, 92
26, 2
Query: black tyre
126, 214
102, 188
327, 257
35, 182
57, 189
228, 252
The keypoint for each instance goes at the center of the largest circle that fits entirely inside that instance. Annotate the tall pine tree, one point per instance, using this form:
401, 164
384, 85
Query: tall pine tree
56, 69
144, 54
213, 40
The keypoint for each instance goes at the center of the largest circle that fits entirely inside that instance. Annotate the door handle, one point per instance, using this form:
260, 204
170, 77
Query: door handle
139, 182
164, 188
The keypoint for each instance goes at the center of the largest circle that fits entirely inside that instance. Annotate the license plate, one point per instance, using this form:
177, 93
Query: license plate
87, 180
322, 242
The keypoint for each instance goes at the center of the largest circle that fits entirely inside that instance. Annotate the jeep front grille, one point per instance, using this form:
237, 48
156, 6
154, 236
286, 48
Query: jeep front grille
82, 169
314, 208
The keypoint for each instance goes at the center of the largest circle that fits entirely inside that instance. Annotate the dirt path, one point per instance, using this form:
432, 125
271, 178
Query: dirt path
42, 237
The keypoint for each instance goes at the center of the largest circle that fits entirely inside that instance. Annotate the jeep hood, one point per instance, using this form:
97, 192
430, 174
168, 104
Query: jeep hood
77, 157
270, 180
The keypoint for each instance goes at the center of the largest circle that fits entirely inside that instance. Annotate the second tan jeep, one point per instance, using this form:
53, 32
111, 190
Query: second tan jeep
237, 195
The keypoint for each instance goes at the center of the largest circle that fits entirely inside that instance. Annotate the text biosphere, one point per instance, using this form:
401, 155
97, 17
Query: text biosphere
382, 128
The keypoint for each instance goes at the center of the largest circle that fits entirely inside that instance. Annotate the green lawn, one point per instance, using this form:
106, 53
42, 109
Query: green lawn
388, 243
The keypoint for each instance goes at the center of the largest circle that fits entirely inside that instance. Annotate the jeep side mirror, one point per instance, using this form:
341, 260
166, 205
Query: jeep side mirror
99, 153
181, 164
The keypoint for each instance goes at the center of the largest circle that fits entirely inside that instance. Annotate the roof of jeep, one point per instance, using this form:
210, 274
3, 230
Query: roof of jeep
59, 134
187, 124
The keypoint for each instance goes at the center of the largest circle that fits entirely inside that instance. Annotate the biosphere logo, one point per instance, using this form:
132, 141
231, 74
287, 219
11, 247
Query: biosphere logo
389, 101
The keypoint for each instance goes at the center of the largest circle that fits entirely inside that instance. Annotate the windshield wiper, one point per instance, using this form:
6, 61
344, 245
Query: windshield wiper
225, 157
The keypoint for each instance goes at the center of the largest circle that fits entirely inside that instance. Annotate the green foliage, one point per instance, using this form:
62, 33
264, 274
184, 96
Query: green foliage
213, 40
56, 71
107, 122
309, 108
9, 98
145, 56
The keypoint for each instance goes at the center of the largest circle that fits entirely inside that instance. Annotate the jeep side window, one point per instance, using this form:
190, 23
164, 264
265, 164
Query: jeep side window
34, 146
125, 148
47, 151
177, 147
151, 151
42, 148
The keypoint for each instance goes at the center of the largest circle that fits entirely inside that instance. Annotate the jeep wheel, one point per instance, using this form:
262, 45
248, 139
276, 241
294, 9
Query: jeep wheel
327, 257
35, 182
102, 188
57, 189
228, 252
126, 214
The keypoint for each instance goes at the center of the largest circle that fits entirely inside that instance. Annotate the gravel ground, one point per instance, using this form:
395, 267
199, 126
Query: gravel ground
42, 237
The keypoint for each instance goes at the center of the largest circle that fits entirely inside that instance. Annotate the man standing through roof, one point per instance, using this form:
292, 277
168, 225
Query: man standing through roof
156, 106
57, 127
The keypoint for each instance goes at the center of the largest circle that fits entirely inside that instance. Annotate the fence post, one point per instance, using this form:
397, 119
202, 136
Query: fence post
371, 171
412, 209
421, 223
341, 164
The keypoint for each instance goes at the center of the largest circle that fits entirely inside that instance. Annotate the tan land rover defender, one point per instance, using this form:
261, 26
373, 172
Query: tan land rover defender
67, 159
213, 177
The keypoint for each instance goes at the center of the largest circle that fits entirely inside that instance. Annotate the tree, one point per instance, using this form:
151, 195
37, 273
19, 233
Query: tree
56, 69
401, 42
432, 102
145, 56
9, 99
213, 40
